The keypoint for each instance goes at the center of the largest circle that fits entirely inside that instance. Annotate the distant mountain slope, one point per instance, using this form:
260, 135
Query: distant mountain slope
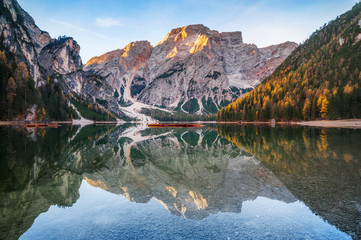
320, 79
193, 69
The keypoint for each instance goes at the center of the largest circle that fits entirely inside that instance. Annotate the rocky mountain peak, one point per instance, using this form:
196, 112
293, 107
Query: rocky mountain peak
187, 39
18, 15
180, 34
192, 33
137, 51
203, 68
61, 56
197, 29
114, 71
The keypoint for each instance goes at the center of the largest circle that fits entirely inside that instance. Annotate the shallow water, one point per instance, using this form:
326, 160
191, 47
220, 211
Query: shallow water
216, 182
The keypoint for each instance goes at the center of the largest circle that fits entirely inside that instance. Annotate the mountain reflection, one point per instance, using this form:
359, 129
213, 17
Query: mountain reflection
192, 172
321, 167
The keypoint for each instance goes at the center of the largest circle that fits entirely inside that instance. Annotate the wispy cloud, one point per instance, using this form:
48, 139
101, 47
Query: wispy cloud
79, 28
108, 22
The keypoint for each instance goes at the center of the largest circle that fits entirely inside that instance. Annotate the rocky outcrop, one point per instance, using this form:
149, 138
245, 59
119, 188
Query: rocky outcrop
43, 55
193, 69
21, 37
61, 58
117, 70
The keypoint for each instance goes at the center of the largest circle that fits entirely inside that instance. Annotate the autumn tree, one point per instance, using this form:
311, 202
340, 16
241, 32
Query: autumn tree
306, 109
320, 79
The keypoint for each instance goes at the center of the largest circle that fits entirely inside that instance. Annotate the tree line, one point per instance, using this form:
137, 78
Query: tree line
19, 94
321, 79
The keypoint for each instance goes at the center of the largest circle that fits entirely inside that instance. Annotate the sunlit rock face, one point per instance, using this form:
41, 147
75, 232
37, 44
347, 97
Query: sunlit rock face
195, 62
61, 56
110, 75
191, 62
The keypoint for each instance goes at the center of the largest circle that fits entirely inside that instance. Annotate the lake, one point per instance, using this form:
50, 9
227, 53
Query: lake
215, 182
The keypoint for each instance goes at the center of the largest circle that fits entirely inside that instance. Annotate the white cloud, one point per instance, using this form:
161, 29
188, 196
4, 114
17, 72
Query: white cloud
108, 22
79, 28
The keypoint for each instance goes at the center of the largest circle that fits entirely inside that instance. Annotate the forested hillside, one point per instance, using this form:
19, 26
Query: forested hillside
19, 97
320, 79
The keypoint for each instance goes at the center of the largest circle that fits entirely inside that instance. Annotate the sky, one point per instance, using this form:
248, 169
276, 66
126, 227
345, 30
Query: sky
100, 26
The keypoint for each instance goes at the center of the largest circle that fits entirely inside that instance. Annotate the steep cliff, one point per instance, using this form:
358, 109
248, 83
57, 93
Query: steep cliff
21, 37
61, 58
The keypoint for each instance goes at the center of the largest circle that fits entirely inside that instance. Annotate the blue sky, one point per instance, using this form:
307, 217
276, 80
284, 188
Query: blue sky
105, 25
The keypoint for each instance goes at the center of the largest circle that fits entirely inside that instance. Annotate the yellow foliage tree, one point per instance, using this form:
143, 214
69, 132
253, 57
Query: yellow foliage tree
21, 72
306, 109
324, 108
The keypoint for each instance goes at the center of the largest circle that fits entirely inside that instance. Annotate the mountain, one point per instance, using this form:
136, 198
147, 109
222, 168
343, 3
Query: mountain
193, 69
320, 79
42, 77
27, 83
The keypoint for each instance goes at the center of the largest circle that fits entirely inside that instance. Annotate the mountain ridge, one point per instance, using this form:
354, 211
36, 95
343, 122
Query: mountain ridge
194, 63
192, 71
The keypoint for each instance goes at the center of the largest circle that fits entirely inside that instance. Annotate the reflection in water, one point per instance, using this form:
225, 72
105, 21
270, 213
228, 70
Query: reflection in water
322, 168
192, 173
35, 173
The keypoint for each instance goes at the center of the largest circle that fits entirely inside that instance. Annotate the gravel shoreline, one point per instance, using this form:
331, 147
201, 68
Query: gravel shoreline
346, 123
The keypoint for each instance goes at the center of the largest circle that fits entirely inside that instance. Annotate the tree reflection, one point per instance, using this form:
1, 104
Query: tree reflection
321, 167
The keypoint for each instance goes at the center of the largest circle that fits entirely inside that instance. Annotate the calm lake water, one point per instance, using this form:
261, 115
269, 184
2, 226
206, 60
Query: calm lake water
216, 182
